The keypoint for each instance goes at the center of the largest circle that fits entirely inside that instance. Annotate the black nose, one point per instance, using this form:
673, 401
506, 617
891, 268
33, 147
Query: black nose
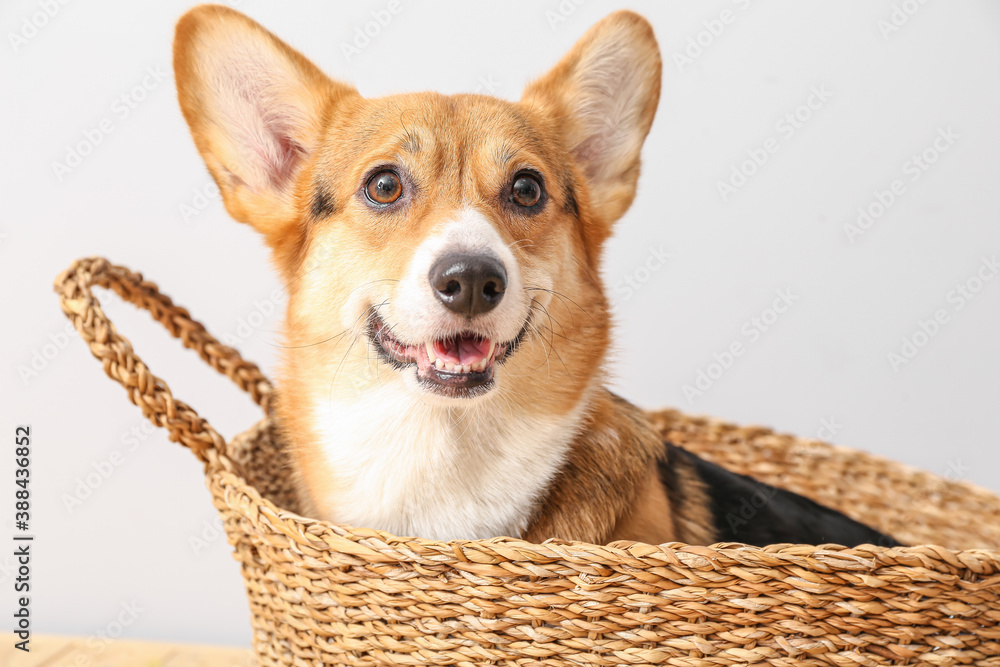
468, 284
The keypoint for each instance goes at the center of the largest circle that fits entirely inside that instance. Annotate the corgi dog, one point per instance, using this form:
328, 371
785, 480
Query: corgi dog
446, 334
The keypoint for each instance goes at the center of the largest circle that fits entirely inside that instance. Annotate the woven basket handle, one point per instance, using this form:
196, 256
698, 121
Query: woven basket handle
146, 390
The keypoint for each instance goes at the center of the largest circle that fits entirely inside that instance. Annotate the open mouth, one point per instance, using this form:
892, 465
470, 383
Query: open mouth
460, 366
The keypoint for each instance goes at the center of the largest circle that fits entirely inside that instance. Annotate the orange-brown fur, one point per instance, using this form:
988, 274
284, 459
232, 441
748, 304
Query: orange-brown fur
611, 489
459, 149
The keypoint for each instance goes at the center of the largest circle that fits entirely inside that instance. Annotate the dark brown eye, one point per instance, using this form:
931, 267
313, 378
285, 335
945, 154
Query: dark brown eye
384, 188
526, 191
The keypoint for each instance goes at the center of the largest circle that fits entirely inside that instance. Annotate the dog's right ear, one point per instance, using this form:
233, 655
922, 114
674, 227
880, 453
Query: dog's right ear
255, 107
603, 96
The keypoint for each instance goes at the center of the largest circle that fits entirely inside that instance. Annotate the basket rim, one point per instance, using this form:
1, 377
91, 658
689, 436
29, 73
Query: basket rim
816, 443
383, 547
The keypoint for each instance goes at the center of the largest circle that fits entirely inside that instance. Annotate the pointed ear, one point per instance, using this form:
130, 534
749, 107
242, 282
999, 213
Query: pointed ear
255, 107
603, 95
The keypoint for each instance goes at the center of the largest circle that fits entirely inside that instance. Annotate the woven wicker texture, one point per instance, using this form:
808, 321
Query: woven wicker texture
325, 594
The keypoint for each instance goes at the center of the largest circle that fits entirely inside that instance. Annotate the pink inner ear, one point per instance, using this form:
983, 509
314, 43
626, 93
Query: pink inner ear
591, 154
281, 154
256, 105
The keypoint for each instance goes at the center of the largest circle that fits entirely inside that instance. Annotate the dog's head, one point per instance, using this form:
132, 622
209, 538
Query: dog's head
445, 245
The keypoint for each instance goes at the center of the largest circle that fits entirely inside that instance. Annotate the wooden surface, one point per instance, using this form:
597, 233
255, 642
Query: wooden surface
49, 651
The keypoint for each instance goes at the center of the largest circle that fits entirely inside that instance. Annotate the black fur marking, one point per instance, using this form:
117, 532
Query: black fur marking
667, 467
570, 206
569, 194
748, 511
322, 202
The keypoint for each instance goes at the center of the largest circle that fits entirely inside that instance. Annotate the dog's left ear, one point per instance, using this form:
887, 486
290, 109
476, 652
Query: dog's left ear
603, 96
256, 108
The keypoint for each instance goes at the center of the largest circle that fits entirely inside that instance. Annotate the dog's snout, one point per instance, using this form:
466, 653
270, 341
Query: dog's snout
468, 284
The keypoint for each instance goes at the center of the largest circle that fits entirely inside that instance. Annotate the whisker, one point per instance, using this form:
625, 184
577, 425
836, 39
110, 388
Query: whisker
515, 243
560, 295
371, 311
372, 282
300, 347
327, 340
553, 320
559, 357
510, 406
539, 330
464, 418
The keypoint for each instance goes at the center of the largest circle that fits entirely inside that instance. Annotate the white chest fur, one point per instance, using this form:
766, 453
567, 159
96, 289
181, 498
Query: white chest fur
414, 468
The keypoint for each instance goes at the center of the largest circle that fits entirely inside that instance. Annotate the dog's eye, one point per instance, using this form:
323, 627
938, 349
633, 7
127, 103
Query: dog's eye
384, 188
526, 191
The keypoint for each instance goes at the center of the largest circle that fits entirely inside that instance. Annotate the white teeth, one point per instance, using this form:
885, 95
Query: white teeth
477, 367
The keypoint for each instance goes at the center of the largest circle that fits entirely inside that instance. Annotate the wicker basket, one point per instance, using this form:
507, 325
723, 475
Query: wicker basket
325, 594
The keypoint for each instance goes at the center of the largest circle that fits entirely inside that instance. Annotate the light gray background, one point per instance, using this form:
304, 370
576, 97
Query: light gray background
823, 361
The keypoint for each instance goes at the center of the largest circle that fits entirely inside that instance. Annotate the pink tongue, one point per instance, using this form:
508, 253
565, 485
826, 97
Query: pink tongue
462, 350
